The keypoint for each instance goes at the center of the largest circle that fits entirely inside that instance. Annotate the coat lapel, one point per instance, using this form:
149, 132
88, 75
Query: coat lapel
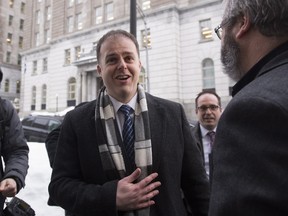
157, 120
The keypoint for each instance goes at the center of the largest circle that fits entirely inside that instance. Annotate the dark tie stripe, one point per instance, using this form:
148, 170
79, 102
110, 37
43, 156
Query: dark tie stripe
128, 132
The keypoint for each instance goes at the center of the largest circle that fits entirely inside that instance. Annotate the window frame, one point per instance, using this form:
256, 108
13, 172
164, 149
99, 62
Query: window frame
205, 28
67, 60
206, 70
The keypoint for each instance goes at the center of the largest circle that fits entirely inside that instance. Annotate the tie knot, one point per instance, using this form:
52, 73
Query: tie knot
125, 109
211, 135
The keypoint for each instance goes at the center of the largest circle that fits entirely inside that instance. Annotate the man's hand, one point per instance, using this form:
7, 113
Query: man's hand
8, 187
131, 196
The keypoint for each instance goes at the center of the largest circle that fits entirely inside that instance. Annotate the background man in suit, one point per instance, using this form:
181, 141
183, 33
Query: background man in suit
94, 171
208, 110
250, 153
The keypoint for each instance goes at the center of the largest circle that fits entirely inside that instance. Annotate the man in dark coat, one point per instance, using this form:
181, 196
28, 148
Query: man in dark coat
250, 154
208, 110
14, 151
95, 173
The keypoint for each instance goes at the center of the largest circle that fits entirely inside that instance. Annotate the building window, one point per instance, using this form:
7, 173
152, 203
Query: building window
98, 15
71, 92
6, 85
21, 27
205, 29
34, 69
79, 21
77, 52
48, 13
11, 3
33, 99
20, 42
38, 17
146, 4
208, 74
19, 61
109, 11
10, 21
67, 57
37, 39
146, 38
70, 24
47, 36
18, 86
8, 57
45, 65
9, 38
72, 89
22, 7
70, 3
44, 96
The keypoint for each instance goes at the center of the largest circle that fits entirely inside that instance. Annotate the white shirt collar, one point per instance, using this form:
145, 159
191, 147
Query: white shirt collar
204, 131
117, 104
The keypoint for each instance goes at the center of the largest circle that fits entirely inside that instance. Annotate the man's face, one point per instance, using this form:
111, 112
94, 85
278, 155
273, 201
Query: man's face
230, 56
119, 66
208, 111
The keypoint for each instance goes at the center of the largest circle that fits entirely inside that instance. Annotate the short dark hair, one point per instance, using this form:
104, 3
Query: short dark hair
114, 33
207, 92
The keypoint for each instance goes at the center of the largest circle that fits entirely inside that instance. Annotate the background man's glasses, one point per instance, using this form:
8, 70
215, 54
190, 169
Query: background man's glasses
205, 108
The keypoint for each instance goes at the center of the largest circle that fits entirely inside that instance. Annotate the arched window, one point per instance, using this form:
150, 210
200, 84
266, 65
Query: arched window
71, 92
33, 98
6, 85
44, 97
208, 74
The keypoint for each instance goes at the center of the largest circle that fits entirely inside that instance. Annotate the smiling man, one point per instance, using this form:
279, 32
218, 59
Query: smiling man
208, 110
127, 153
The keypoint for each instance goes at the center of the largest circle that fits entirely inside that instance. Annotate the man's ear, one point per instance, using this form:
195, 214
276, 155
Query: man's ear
99, 71
244, 25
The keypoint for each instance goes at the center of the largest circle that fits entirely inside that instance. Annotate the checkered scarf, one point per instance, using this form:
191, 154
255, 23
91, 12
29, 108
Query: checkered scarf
110, 147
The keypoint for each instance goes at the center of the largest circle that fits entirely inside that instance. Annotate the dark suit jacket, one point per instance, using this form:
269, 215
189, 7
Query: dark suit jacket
79, 183
196, 133
250, 154
197, 136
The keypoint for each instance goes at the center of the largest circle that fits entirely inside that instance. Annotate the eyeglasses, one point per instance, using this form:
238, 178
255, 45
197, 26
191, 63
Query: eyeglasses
219, 29
205, 108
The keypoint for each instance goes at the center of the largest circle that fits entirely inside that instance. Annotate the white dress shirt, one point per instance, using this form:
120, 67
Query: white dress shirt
119, 115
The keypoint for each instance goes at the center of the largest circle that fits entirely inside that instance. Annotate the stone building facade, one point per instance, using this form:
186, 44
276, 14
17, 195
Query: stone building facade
179, 51
12, 17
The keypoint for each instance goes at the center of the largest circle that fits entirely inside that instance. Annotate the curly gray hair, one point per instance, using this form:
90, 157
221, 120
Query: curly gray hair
270, 17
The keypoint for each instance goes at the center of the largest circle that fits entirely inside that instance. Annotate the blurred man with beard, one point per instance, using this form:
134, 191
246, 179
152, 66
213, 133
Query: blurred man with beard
250, 154
208, 110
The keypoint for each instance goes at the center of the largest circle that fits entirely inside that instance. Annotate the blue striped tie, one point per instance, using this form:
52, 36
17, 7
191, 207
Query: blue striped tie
128, 132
